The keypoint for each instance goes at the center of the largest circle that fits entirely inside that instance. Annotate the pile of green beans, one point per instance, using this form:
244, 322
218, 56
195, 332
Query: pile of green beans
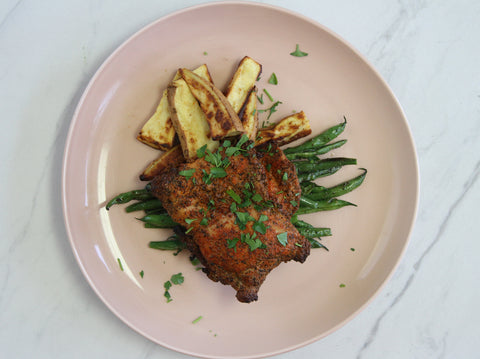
314, 198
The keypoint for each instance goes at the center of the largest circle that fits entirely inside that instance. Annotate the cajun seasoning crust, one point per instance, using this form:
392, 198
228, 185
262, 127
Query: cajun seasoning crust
242, 268
282, 181
286, 130
221, 117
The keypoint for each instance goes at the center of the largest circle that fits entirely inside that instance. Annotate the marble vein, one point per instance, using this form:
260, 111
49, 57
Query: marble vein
9, 13
473, 178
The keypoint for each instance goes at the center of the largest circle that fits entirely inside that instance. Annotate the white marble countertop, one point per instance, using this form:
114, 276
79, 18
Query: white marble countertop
428, 52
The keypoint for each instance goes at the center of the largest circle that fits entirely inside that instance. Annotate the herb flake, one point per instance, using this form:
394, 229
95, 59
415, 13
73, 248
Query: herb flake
197, 319
283, 238
273, 79
298, 53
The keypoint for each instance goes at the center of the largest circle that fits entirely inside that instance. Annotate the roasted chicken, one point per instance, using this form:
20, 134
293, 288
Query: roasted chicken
235, 209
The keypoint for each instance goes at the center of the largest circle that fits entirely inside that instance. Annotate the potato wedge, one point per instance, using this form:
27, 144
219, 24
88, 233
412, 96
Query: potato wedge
158, 132
242, 82
189, 120
221, 117
170, 158
249, 115
286, 130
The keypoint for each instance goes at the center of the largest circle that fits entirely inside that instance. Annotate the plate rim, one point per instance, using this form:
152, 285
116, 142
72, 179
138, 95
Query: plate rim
75, 119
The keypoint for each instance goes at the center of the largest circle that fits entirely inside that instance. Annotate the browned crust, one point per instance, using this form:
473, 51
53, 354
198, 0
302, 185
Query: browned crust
223, 121
170, 158
268, 134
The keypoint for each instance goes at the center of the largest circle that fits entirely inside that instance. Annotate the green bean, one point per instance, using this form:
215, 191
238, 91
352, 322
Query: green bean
310, 176
315, 152
299, 223
309, 206
314, 232
167, 245
308, 187
316, 244
319, 193
138, 194
159, 220
310, 166
319, 140
156, 211
145, 205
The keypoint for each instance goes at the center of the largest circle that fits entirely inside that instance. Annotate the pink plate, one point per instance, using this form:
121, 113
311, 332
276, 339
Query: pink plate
299, 303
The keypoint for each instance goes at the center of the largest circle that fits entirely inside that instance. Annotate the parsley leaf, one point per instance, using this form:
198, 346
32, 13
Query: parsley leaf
189, 220
234, 196
177, 278
204, 221
283, 238
273, 79
260, 227
232, 243
201, 151
218, 172
298, 53
257, 198
187, 173
253, 241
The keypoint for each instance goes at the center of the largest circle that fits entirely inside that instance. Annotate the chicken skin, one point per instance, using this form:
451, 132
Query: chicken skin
236, 211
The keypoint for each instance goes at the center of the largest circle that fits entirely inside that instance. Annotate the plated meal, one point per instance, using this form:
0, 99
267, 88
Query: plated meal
224, 184
135, 271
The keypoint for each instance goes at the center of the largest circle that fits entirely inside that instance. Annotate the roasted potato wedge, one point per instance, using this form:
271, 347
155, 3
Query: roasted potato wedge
189, 120
221, 117
242, 82
172, 157
158, 132
286, 130
249, 115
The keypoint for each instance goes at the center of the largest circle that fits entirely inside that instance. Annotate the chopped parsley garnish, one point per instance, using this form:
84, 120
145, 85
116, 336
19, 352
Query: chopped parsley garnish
268, 166
271, 109
189, 220
294, 203
260, 99
260, 227
141, 273
273, 79
120, 264
232, 243
352, 249
201, 151
204, 221
167, 285
342, 285
268, 95
205, 53
218, 172
298, 244
187, 173
257, 198
177, 278
234, 196
195, 261
285, 176
253, 241
298, 53
196, 320
283, 238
